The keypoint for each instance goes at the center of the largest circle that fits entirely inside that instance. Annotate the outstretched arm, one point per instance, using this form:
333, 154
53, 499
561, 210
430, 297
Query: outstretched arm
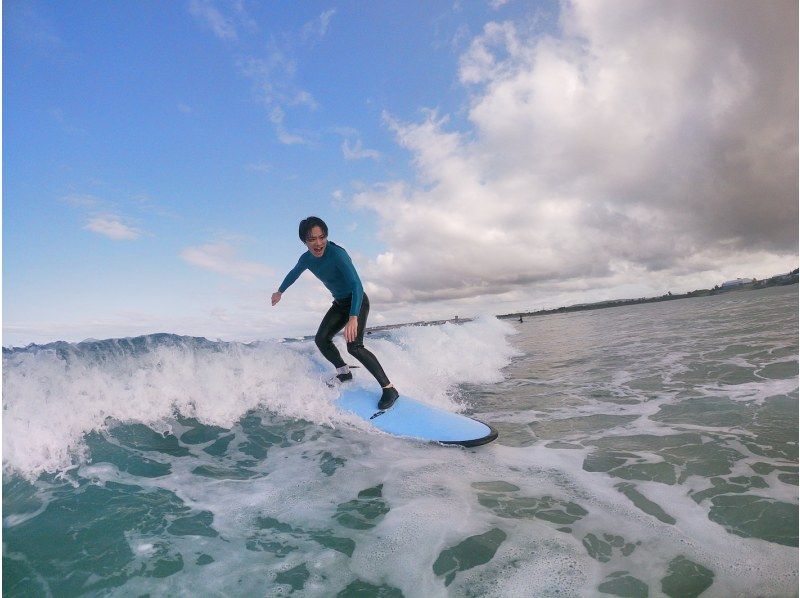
293, 275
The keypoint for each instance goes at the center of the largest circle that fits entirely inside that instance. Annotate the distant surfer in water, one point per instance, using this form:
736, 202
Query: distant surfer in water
331, 264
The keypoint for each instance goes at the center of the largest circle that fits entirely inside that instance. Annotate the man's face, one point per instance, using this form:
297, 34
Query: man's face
316, 240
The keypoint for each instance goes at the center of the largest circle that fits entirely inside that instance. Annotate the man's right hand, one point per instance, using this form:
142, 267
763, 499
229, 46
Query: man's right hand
275, 298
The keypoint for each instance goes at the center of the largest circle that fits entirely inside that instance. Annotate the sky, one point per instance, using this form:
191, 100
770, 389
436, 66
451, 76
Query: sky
480, 157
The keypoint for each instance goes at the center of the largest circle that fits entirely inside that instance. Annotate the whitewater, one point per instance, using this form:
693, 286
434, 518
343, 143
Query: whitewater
643, 450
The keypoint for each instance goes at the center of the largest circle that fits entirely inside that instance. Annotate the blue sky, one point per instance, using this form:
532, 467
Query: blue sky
472, 156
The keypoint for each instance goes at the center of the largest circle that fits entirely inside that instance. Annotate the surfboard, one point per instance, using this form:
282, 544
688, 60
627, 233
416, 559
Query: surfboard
413, 419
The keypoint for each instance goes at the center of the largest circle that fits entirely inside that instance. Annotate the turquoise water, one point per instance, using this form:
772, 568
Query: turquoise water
644, 450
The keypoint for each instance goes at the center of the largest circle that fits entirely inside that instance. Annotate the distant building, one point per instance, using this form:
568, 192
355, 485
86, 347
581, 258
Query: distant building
733, 284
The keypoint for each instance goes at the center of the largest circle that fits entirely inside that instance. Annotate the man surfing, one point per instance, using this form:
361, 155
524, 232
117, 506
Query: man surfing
331, 264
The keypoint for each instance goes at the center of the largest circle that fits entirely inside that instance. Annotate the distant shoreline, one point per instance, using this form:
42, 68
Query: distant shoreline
774, 281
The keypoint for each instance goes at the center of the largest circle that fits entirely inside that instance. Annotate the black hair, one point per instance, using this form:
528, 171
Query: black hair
309, 223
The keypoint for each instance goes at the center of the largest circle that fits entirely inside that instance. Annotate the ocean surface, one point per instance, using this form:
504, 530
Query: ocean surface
647, 450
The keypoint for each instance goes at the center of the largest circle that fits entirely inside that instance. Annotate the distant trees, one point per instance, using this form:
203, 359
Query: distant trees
778, 280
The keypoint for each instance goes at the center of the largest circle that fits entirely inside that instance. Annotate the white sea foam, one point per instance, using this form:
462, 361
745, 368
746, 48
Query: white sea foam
53, 396
431, 505
757, 392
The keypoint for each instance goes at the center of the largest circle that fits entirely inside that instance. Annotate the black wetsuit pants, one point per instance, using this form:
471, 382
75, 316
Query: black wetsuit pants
333, 322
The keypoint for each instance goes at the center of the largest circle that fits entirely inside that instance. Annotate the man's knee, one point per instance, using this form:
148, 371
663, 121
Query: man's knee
321, 340
354, 348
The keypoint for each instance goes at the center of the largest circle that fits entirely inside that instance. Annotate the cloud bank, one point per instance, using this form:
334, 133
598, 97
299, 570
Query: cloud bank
648, 140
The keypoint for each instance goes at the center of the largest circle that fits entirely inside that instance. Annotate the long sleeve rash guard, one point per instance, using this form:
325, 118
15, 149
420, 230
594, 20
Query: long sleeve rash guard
336, 271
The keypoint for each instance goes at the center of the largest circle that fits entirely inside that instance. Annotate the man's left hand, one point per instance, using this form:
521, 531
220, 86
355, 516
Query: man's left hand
351, 329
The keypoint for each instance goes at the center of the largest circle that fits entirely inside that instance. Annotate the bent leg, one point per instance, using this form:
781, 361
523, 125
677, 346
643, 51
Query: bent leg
360, 352
332, 323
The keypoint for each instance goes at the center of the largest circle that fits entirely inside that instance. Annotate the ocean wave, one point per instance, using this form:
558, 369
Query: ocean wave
55, 394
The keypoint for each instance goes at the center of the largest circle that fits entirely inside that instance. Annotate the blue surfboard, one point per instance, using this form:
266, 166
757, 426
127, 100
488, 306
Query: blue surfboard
413, 419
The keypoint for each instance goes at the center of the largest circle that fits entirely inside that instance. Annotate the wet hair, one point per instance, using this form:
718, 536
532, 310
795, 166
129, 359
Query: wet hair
309, 223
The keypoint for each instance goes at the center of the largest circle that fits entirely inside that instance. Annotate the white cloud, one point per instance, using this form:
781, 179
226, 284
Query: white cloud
304, 98
221, 258
651, 142
227, 20
273, 72
325, 21
259, 71
316, 29
287, 138
277, 116
357, 151
112, 227
497, 4
338, 199
107, 217
207, 12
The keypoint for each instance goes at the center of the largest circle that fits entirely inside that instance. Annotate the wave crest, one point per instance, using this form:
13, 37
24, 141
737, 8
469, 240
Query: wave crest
55, 394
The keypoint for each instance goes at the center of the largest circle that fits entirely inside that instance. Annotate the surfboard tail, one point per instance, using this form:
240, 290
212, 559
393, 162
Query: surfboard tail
492, 435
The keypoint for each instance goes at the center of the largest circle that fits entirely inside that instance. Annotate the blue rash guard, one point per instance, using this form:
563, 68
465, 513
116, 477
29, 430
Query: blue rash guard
336, 271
